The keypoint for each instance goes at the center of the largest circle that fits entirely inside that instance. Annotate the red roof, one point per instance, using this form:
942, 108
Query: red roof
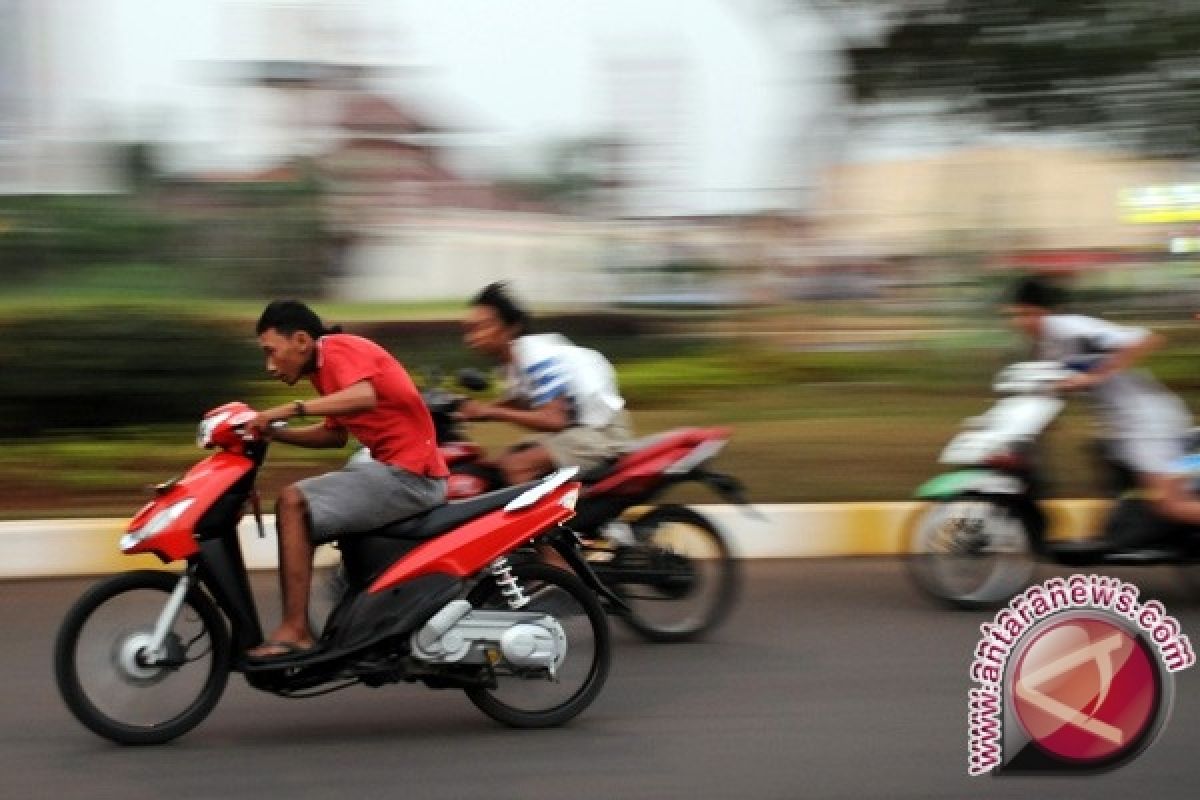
376, 114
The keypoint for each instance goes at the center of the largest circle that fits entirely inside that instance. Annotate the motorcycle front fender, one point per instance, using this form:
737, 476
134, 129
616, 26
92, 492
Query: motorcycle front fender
965, 481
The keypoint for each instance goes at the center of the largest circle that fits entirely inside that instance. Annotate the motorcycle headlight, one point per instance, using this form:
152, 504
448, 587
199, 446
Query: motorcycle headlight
157, 523
204, 431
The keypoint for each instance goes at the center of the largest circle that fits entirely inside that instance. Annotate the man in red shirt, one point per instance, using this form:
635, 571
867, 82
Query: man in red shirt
363, 391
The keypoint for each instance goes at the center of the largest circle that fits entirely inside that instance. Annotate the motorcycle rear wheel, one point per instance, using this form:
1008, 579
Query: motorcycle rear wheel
697, 576
526, 700
970, 552
99, 666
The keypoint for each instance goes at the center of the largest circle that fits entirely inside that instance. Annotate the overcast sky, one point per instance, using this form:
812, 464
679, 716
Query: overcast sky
739, 104
699, 78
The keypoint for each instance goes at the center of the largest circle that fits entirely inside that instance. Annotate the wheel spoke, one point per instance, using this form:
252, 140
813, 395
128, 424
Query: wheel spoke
531, 697
679, 578
970, 553
106, 678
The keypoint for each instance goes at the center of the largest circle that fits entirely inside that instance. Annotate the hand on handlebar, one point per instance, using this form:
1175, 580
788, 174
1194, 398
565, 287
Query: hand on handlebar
265, 423
473, 410
1080, 382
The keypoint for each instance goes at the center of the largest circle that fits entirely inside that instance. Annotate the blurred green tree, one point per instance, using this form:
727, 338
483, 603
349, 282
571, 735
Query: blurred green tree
572, 173
1126, 69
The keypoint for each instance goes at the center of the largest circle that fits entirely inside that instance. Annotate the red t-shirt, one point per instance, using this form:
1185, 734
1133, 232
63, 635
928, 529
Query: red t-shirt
399, 430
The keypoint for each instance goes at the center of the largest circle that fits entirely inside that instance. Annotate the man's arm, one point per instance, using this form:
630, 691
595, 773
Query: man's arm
314, 436
549, 417
351, 400
1117, 361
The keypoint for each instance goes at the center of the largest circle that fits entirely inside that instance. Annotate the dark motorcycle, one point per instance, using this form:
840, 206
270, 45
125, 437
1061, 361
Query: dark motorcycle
671, 565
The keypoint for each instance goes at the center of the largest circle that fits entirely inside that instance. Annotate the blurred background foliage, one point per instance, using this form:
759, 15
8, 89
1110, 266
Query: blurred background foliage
139, 316
167, 239
1126, 70
844, 357
114, 367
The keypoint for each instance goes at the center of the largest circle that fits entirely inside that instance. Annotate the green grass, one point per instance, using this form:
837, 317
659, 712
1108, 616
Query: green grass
792, 442
809, 426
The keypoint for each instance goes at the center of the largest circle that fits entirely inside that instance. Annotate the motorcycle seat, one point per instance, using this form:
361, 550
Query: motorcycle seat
657, 446
451, 515
600, 471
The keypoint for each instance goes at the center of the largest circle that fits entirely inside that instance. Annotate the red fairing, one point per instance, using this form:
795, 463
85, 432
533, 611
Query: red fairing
458, 452
466, 550
206, 482
642, 468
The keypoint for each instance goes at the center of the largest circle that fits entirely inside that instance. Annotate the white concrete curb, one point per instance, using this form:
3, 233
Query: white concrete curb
45, 548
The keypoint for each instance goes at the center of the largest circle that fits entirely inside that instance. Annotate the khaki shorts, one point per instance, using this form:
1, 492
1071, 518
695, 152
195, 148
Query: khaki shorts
585, 447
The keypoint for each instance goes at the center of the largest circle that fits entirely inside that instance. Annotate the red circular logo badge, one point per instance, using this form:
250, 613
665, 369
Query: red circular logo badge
1085, 689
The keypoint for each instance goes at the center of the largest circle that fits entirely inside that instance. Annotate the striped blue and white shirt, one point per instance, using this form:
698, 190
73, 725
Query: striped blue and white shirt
548, 366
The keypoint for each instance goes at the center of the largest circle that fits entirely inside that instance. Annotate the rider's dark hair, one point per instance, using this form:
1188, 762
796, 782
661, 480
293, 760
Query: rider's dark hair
1034, 290
496, 296
289, 316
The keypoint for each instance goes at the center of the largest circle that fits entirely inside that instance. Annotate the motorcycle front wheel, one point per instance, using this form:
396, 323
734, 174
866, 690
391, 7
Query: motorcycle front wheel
110, 685
678, 577
970, 552
536, 699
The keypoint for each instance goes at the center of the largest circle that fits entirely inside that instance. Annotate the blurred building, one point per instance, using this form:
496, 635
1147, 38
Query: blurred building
989, 199
48, 126
275, 91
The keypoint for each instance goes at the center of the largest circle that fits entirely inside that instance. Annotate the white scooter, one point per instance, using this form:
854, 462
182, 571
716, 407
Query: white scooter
984, 531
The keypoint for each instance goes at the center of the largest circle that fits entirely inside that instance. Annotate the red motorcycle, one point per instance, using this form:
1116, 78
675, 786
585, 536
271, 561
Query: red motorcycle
143, 657
670, 565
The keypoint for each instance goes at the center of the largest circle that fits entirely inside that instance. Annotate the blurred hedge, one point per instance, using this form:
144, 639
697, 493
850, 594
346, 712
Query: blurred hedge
49, 237
211, 239
116, 367
437, 344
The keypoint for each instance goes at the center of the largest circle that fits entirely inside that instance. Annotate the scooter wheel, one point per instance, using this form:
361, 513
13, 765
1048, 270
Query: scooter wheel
533, 698
678, 578
105, 678
970, 552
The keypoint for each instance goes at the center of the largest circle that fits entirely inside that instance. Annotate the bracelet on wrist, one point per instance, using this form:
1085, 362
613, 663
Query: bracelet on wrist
298, 409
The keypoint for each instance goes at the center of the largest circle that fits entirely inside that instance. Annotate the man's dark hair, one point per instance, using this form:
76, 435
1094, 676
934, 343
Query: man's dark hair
496, 296
289, 316
1034, 290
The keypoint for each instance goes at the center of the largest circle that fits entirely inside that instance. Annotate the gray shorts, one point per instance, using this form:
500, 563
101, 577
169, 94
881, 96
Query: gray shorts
585, 447
1150, 455
1149, 431
365, 495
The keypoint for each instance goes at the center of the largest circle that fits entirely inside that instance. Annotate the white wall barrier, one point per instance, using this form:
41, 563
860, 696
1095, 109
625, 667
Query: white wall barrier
43, 548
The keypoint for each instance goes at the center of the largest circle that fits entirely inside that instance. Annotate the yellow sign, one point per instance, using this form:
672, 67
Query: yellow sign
1160, 204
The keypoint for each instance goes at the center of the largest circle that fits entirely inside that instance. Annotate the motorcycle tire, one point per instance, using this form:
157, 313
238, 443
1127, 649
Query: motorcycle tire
523, 700
697, 576
104, 682
970, 552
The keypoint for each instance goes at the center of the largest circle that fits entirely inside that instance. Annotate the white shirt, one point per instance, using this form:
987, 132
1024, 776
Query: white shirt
1131, 403
548, 366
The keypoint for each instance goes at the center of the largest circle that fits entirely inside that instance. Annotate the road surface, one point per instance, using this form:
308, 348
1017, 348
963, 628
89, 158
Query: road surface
831, 680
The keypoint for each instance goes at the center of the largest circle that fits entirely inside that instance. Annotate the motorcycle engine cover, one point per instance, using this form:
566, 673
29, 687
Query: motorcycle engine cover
524, 638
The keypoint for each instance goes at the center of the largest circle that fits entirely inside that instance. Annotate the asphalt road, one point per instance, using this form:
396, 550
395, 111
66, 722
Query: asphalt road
832, 679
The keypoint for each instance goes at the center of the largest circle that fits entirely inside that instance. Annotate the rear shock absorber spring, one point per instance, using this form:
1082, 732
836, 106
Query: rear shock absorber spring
508, 584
